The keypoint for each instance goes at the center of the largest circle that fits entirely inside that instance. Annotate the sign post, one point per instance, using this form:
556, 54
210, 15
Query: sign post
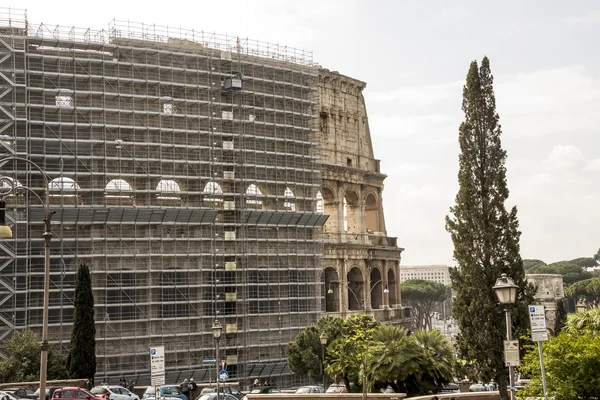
157, 366
537, 317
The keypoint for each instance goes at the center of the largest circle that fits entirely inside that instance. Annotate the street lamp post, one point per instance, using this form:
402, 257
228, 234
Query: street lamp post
323, 338
506, 290
217, 329
6, 233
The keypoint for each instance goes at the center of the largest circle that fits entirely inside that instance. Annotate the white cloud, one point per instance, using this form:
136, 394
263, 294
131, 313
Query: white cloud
593, 166
566, 156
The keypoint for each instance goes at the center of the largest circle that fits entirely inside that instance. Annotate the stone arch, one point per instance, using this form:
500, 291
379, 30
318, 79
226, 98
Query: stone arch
392, 287
319, 206
355, 290
376, 289
329, 208
352, 213
288, 202
168, 189
65, 187
213, 192
254, 195
118, 188
331, 289
372, 213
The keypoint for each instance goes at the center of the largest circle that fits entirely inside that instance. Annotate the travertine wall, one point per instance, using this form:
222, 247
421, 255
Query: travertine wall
361, 261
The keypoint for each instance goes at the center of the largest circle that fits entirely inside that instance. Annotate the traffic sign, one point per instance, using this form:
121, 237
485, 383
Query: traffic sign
223, 375
537, 317
209, 361
511, 353
157, 365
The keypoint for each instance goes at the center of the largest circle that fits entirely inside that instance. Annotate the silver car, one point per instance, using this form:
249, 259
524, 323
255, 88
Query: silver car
114, 393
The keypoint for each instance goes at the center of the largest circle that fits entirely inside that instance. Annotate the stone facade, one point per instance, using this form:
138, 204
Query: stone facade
550, 291
362, 264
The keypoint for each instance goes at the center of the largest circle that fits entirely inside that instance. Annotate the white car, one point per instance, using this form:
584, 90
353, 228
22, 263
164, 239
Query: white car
114, 393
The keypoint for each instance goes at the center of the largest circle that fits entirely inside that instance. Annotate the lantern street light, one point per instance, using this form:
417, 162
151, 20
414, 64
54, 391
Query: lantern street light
6, 233
506, 290
323, 338
217, 329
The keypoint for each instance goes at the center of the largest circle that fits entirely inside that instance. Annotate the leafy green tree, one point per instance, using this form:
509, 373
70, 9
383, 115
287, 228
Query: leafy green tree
435, 362
561, 316
570, 272
485, 235
588, 321
305, 352
23, 361
572, 362
527, 264
423, 296
584, 262
597, 256
81, 362
588, 289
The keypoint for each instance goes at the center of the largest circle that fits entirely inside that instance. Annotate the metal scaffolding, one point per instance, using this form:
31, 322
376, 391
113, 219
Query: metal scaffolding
184, 173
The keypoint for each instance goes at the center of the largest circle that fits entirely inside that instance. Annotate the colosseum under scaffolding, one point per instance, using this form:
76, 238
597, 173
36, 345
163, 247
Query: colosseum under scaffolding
186, 171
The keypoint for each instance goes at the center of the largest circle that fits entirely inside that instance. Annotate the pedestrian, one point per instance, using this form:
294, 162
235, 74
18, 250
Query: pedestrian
256, 383
192, 386
122, 382
131, 385
184, 388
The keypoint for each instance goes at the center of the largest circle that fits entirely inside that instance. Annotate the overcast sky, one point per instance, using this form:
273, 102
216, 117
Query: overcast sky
414, 56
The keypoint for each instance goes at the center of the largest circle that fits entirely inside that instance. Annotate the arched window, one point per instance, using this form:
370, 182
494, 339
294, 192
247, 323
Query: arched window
168, 189
320, 204
7, 183
288, 201
213, 188
118, 188
253, 191
62, 186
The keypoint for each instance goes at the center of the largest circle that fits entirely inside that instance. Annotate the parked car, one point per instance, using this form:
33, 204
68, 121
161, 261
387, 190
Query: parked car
263, 390
21, 393
478, 387
449, 388
49, 392
74, 393
336, 388
171, 391
8, 395
223, 389
310, 389
213, 396
114, 393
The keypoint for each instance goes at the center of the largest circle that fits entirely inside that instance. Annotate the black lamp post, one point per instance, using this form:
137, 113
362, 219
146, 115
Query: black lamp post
506, 290
217, 329
323, 339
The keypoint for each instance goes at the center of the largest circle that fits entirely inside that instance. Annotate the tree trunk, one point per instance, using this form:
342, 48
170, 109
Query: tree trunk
501, 379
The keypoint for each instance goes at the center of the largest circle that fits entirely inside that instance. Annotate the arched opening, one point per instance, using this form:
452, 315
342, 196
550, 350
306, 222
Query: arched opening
376, 289
351, 212
288, 202
331, 290
8, 184
319, 206
168, 189
392, 287
119, 192
372, 213
65, 187
329, 208
254, 196
213, 192
355, 290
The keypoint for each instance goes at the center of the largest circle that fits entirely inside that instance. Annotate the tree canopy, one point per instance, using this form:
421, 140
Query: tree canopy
22, 363
423, 296
571, 272
527, 264
485, 235
588, 289
81, 361
571, 360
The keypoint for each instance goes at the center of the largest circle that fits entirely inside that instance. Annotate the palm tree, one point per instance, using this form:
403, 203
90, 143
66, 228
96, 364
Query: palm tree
587, 321
392, 358
435, 360
343, 361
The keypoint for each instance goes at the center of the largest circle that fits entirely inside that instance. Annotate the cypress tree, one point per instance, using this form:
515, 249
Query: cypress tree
485, 235
81, 361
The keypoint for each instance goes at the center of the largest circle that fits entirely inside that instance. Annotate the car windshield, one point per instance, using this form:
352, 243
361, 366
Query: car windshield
255, 391
204, 397
303, 390
149, 390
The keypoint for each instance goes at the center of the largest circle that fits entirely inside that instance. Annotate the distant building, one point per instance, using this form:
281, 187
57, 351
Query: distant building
549, 292
436, 273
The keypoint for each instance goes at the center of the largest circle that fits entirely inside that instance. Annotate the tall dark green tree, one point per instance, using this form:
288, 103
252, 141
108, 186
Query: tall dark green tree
81, 361
485, 235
